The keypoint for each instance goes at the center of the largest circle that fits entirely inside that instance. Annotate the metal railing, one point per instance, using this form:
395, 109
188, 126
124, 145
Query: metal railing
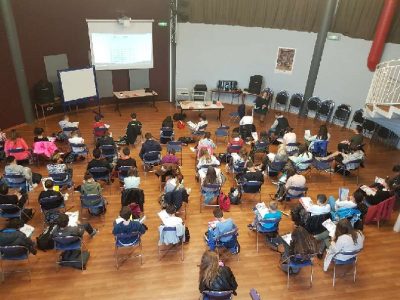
385, 86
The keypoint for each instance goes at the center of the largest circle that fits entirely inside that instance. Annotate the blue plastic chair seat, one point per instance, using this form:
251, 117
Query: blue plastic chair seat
345, 262
72, 246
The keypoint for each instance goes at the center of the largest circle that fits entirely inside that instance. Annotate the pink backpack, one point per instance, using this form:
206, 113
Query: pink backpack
224, 202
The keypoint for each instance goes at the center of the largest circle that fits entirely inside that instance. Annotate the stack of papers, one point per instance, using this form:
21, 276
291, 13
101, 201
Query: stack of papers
262, 209
73, 218
27, 230
306, 202
330, 226
369, 191
287, 238
343, 193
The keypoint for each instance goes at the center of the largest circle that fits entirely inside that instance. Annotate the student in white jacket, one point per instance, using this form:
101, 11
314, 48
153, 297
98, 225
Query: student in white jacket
346, 239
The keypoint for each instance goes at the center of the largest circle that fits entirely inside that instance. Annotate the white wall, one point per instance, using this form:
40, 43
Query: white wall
208, 53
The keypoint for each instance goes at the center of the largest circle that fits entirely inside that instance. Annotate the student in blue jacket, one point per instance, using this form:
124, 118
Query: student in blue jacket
125, 225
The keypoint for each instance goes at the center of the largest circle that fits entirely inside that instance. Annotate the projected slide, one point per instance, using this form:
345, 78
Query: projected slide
122, 49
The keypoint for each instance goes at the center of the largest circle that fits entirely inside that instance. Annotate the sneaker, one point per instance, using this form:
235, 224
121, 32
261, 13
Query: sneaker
192, 149
34, 186
251, 227
188, 191
95, 231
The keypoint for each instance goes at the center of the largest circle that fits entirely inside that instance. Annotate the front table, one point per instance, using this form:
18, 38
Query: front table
202, 106
125, 96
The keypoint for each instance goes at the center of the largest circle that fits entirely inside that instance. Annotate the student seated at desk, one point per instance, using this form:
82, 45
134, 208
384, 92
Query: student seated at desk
300, 160
98, 161
63, 229
197, 126
106, 139
168, 122
252, 174
98, 123
206, 142
125, 159
149, 145
271, 213
355, 141
322, 135
171, 220
279, 126
206, 159
18, 199
50, 192
38, 133
13, 168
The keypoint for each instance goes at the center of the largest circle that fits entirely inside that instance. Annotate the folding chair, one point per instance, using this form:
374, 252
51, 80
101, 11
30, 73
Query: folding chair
323, 166
306, 171
151, 159
67, 243
11, 207
51, 201
369, 128
16, 181
179, 242
68, 130
101, 173
274, 168
230, 243
350, 166
312, 107
166, 135
358, 117
200, 132
342, 115
237, 115
380, 212
299, 261
214, 295
79, 149
281, 100
127, 241
14, 253
123, 172
251, 187
177, 147
63, 179
223, 132
273, 225
108, 152
295, 103
352, 260
325, 110
87, 200
300, 192
205, 189
234, 148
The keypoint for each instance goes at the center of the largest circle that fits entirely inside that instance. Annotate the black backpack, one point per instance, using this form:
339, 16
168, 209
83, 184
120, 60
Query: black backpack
186, 140
45, 241
72, 258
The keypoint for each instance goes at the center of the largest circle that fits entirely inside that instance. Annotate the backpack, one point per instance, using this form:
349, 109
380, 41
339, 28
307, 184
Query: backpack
234, 196
180, 124
224, 157
187, 235
224, 202
72, 258
45, 241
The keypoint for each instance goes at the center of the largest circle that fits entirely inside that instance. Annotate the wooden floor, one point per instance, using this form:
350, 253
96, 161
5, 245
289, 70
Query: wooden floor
378, 267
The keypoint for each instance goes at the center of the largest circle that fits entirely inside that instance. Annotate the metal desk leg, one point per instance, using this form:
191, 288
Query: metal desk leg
37, 113
117, 106
154, 102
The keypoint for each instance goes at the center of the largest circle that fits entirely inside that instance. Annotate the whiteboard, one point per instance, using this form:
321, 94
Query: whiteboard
78, 84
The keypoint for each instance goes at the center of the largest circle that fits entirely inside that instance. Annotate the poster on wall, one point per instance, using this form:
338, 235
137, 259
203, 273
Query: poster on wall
285, 60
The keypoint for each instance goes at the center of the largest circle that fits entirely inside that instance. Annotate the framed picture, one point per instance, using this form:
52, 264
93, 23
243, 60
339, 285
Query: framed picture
285, 60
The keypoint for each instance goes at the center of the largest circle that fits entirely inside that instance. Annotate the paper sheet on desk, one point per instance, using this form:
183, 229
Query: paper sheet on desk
287, 238
73, 218
27, 230
262, 209
330, 226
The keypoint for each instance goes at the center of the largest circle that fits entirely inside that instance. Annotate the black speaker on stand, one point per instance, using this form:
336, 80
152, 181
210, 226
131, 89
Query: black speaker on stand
43, 92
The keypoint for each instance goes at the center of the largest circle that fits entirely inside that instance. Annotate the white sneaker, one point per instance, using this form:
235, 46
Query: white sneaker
34, 185
188, 191
192, 149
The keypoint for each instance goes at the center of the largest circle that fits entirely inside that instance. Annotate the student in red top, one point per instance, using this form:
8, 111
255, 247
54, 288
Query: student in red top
98, 123
236, 141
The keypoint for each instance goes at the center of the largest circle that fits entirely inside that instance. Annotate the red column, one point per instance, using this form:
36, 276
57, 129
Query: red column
381, 33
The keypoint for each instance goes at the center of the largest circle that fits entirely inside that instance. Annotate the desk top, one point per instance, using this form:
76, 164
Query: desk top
208, 105
133, 94
227, 92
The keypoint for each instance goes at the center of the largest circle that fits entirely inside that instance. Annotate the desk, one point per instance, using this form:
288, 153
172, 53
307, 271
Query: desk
46, 106
123, 96
233, 93
200, 105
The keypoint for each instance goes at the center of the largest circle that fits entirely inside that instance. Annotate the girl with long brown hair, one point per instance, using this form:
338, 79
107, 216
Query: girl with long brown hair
346, 239
213, 276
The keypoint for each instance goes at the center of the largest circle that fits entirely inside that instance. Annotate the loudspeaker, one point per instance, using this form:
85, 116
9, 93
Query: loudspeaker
255, 84
43, 92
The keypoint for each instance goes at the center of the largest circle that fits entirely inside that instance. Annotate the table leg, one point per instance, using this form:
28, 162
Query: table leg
154, 102
37, 113
117, 106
